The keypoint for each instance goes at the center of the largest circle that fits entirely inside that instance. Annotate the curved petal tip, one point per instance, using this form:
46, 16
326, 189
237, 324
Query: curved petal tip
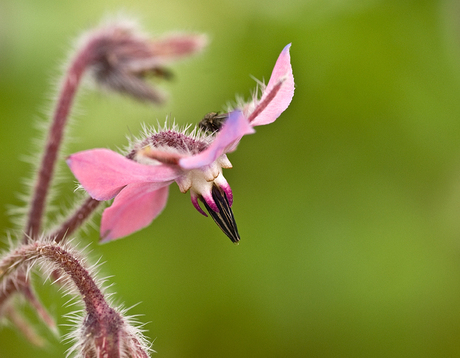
278, 93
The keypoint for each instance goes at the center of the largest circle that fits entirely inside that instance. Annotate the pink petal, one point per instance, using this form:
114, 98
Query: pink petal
226, 140
281, 72
176, 46
103, 173
133, 209
196, 204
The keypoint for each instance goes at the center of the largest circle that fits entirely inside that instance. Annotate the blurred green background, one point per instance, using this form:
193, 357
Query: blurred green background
348, 205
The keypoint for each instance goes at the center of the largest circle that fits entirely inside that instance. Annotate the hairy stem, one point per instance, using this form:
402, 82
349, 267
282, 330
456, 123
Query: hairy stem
10, 286
62, 259
102, 324
76, 219
60, 117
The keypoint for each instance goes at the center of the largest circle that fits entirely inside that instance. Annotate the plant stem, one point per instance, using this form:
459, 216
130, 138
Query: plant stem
60, 117
75, 220
102, 324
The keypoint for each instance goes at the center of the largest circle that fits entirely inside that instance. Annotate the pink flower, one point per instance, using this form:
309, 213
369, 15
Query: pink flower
139, 182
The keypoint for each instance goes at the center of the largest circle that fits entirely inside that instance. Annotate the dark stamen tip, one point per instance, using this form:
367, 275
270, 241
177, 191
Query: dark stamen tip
224, 218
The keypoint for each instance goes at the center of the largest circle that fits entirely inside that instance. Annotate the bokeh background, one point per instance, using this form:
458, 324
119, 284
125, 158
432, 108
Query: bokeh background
348, 205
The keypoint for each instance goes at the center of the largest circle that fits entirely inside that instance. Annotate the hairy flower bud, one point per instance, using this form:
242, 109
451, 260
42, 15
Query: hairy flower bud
122, 58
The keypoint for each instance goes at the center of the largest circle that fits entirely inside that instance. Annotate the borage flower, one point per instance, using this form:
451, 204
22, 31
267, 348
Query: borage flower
140, 181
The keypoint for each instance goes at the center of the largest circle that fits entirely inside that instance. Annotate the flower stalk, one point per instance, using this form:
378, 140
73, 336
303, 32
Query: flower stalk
75, 220
104, 332
53, 143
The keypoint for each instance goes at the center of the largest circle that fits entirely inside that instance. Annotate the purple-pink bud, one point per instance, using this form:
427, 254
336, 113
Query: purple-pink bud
122, 57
